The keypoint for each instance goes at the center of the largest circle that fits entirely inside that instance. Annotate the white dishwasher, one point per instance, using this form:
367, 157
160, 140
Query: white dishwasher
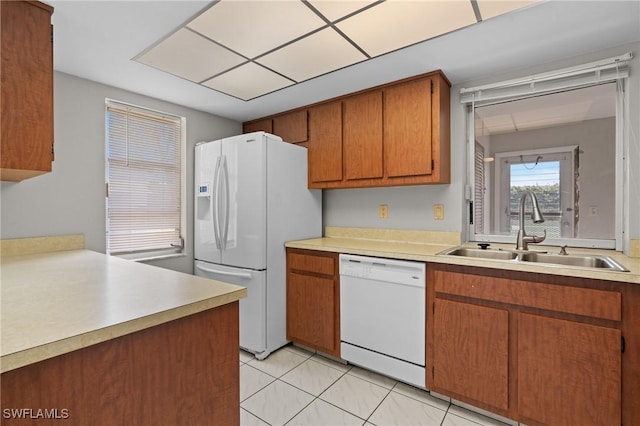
382, 316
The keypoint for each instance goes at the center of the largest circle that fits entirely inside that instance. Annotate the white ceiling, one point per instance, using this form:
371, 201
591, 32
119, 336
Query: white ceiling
98, 40
547, 111
303, 40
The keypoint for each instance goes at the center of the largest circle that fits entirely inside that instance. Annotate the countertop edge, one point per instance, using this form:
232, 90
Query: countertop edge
428, 253
29, 356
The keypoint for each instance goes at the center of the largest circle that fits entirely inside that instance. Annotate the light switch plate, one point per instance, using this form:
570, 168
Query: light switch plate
438, 212
383, 211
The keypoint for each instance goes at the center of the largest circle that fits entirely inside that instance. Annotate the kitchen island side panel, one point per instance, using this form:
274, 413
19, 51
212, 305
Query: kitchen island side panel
183, 372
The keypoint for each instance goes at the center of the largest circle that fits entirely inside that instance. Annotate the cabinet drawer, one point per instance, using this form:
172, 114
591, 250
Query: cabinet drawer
594, 303
318, 264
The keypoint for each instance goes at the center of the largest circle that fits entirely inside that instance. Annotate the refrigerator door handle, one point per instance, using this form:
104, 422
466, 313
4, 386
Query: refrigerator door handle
216, 204
227, 273
225, 174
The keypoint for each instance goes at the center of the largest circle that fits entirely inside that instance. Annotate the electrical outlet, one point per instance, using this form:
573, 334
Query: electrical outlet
593, 211
383, 211
438, 212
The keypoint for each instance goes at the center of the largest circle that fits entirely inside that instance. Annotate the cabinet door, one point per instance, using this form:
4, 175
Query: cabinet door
569, 373
471, 352
311, 310
362, 136
26, 103
407, 129
264, 125
325, 143
291, 127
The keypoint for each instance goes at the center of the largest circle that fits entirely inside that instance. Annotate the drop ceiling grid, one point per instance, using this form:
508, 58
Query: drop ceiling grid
280, 43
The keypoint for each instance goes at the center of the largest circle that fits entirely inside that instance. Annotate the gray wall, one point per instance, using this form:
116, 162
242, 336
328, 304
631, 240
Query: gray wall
412, 207
71, 198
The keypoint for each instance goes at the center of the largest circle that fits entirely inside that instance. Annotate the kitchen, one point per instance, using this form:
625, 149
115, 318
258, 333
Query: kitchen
72, 196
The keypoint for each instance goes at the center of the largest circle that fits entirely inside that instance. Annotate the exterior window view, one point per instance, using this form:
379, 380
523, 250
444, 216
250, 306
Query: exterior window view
567, 158
320, 213
544, 182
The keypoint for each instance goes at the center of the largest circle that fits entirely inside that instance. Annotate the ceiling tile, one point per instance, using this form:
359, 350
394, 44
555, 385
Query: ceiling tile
499, 124
191, 56
396, 23
491, 8
336, 9
252, 28
248, 81
317, 54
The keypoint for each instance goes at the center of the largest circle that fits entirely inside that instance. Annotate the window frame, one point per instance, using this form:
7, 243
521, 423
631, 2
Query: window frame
174, 251
621, 241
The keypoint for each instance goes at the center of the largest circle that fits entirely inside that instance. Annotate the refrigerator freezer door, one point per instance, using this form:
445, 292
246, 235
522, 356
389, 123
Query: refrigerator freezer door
253, 316
207, 244
243, 216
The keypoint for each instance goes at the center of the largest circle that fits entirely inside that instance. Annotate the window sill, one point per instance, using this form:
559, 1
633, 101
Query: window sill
146, 257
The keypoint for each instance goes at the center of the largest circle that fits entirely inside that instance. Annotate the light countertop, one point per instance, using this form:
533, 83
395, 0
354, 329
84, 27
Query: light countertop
429, 253
58, 302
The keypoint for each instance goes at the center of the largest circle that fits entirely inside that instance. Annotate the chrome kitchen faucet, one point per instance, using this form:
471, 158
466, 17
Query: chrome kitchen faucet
523, 239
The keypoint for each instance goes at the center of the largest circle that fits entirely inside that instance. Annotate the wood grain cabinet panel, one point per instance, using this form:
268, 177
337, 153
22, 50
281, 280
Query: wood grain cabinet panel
262, 125
291, 127
543, 350
471, 352
313, 300
183, 372
390, 135
325, 143
362, 136
407, 129
26, 102
569, 373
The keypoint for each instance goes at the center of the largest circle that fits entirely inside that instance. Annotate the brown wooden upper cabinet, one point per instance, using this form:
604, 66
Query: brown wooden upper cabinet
291, 127
408, 138
26, 101
325, 143
262, 125
362, 136
394, 134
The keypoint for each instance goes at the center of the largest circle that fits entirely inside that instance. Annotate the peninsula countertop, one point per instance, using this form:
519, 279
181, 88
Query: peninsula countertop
57, 302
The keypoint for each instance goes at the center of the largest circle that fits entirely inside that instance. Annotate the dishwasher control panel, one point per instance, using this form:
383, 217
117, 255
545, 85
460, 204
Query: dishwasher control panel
381, 269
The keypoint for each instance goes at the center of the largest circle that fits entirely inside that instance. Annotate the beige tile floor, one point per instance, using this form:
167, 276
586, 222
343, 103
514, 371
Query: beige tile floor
296, 387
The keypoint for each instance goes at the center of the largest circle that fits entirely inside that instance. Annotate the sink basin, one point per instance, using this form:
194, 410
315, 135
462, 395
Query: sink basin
586, 261
579, 260
482, 254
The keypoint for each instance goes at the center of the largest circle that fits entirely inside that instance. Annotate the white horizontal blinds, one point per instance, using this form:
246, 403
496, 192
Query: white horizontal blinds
143, 174
479, 189
604, 71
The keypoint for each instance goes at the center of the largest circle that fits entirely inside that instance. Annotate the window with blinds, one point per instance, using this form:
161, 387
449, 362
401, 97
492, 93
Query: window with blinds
144, 180
478, 214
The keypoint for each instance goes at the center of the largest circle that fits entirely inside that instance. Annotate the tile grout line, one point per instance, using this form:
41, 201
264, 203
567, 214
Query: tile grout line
314, 396
348, 371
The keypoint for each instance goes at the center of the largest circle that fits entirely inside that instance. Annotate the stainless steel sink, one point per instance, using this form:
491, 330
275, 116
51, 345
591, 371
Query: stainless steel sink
585, 261
577, 260
480, 253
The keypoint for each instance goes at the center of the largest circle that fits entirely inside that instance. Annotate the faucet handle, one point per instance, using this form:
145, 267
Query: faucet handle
538, 239
563, 250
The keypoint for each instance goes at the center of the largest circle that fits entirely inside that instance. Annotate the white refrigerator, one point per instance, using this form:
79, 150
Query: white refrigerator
251, 197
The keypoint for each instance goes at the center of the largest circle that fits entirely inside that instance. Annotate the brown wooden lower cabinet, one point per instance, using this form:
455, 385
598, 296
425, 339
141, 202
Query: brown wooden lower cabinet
471, 357
313, 303
184, 372
569, 373
536, 348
